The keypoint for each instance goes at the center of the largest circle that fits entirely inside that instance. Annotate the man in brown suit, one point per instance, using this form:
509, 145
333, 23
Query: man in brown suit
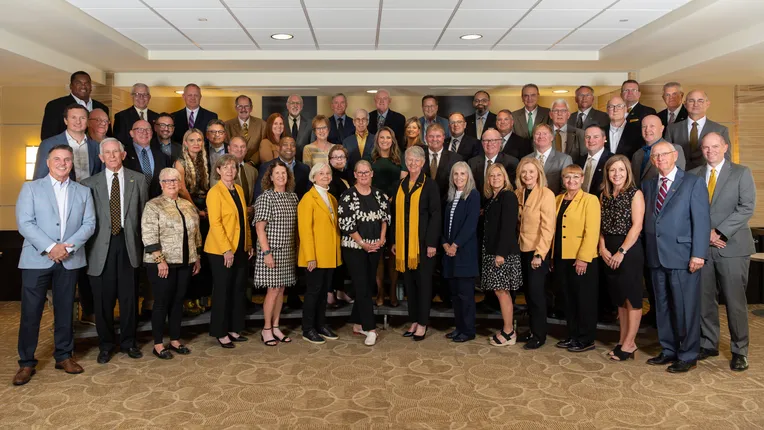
251, 128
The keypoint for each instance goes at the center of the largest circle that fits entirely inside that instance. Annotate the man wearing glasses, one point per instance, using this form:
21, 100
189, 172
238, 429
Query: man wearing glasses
621, 139
586, 114
216, 147
124, 120
98, 125
248, 127
164, 127
491, 154
297, 124
689, 133
483, 118
460, 142
143, 157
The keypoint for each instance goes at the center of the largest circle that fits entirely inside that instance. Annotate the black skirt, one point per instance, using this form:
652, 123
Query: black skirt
625, 283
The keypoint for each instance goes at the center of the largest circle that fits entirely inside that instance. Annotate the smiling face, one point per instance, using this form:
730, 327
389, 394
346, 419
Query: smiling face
414, 164
216, 135
595, 139
278, 127
713, 147
672, 96
617, 174
81, 86
456, 124
481, 102
385, 140
141, 97
413, 130
287, 149
192, 96
339, 104
697, 104
530, 97
279, 177
164, 127
382, 101
112, 155
76, 120
460, 177
363, 175
323, 177
361, 122
572, 181
238, 148
141, 133
616, 110
504, 123
430, 108
338, 159
491, 143
560, 114
294, 105
542, 138
170, 186
435, 138
243, 108
630, 93
98, 125
529, 175
228, 172
322, 130
652, 128
496, 178
584, 99
663, 156
60, 164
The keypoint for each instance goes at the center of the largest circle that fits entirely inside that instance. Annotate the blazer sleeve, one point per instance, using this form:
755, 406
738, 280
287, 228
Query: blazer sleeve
588, 249
305, 213
150, 228
41, 165
50, 120
509, 211
27, 221
548, 211
347, 219
700, 218
746, 204
87, 228
216, 238
433, 206
681, 162
468, 230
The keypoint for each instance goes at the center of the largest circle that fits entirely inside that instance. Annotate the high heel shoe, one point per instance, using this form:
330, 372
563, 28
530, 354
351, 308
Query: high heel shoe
226, 345
622, 355
420, 338
269, 342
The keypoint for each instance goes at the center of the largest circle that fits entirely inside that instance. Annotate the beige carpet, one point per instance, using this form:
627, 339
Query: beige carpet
397, 384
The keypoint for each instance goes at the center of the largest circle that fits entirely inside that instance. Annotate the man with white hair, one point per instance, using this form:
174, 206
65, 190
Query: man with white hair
124, 120
567, 139
384, 116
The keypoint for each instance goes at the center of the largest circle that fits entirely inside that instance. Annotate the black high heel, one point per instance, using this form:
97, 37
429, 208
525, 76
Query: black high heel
419, 338
622, 355
226, 345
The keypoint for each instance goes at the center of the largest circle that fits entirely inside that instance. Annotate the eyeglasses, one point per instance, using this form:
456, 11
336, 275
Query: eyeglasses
243, 106
360, 120
481, 101
630, 90
661, 155
100, 121
616, 107
456, 122
570, 177
216, 132
165, 126
322, 128
363, 173
338, 157
489, 141
141, 95
294, 103
559, 111
169, 181
142, 130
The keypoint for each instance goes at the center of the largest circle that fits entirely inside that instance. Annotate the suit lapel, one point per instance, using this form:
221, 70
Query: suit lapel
127, 192
48, 189
672, 190
69, 200
319, 201
721, 181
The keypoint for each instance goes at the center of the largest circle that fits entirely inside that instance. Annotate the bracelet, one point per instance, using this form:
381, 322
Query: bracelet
159, 259
266, 252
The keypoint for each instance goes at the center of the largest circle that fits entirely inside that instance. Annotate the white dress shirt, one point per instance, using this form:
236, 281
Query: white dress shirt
242, 122
121, 179
61, 191
670, 176
537, 155
718, 169
88, 105
81, 157
615, 136
701, 122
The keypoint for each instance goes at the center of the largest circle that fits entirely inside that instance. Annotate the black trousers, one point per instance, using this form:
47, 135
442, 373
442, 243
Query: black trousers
230, 285
338, 278
168, 299
463, 298
117, 281
362, 266
440, 285
85, 292
314, 309
201, 284
581, 293
534, 281
34, 286
418, 284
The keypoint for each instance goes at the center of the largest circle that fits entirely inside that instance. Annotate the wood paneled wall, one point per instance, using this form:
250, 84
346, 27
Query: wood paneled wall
749, 110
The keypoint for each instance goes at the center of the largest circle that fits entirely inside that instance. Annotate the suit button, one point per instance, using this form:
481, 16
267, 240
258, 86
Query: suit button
564, 216
57, 239
57, 224
563, 237
564, 226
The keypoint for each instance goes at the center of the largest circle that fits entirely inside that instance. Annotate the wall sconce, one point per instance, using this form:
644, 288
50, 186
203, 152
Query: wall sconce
31, 158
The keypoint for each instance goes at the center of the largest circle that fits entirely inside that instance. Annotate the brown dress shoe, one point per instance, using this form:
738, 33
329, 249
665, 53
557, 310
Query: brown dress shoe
69, 366
23, 376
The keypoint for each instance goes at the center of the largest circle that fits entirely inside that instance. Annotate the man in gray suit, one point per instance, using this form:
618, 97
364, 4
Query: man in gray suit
689, 133
552, 160
641, 167
55, 215
299, 127
586, 114
567, 139
531, 115
116, 248
732, 193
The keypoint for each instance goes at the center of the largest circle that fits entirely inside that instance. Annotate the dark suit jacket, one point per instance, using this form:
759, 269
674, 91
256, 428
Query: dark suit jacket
394, 120
664, 114
335, 136
521, 124
429, 216
181, 122
41, 166
124, 120
517, 146
595, 117
445, 163
176, 149
477, 165
678, 134
575, 146
471, 129
630, 140
468, 146
161, 160
463, 233
303, 132
632, 132
53, 119
500, 234
594, 187
301, 172
351, 144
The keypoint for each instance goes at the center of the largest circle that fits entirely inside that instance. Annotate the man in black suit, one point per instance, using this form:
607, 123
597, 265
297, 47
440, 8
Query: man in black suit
145, 158
460, 142
80, 86
216, 146
287, 150
491, 154
164, 126
594, 163
675, 110
635, 111
340, 125
586, 114
192, 115
124, 120
384, 116
483, 118
439, 161
511, 143
620, 138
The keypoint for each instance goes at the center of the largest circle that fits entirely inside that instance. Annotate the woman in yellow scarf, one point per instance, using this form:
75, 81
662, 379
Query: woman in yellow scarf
415, 231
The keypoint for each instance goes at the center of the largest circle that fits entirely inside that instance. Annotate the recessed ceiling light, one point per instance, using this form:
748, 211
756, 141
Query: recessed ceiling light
560, 91
281, 36
471, 37
203, 19
371, 91
179, 92
623, 20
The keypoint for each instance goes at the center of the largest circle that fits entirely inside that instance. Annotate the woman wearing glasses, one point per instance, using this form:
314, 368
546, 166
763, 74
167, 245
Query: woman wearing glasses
338, 162
318, 151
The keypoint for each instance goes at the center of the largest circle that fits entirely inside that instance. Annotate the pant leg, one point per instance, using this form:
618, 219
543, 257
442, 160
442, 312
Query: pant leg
709, 304
85, 289
733, 274
587, 295
223, 277
424, 281
453, 284
534, 281
565, 274
362, 267
466, 292
326, 283
181, 281
666, 325
412, 294
64, 285
368, 321
164, 289
128, 300
687, 308
238, 291
34, 286
104, 289
313, 281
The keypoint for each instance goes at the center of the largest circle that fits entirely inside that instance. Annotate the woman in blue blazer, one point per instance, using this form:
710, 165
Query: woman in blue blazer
460, 262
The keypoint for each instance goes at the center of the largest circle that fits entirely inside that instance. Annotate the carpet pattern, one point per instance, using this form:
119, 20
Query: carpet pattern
397, 384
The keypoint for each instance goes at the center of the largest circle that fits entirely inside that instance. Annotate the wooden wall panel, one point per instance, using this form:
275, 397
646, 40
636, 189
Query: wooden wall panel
749, 102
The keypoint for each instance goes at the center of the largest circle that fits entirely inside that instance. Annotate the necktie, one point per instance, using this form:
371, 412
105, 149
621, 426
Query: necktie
361, 145
646, 159
140, 114
672, 117
434, 165
542, 158
146, 166
557, 141
588, 173
191, 120
480, 127
454, 145
245, 130
580, 120
487, 165
711, 185
115, 206
341, 128
294, 128
380, 122
530, 123
662, 193
694, 136
629, 109
243, 182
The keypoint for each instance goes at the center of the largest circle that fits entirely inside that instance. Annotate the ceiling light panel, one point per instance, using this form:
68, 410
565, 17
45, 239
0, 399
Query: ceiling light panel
189, 18
128, 18
636, 19
280, 47
527, 36
474, 18
213, 36
154, 36
556, 18
348, 18
302, 36
490, 35
271, 18
414, 18
594, 37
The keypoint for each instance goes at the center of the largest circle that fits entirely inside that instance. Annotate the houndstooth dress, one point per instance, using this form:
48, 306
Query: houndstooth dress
280, 212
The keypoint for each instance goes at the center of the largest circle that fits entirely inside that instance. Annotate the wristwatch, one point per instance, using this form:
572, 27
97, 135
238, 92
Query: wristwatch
622, 251
537, 256
266, 252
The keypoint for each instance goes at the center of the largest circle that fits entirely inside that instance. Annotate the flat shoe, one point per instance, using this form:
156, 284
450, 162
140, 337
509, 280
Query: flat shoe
180, 349
164, 355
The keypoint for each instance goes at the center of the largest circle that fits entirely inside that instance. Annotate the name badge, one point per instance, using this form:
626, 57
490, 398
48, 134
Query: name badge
634, 120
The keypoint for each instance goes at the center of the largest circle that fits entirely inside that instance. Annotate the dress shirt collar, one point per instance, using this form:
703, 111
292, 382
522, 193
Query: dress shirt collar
675, 111
363, 135
220, 149
484, 116
632, 106
718, 168
597, 155
110, 174
492, 159
536, 109
139, 149
563, 129
439, 153
586, 112
344, 118
288, 163
242, 122
56, 183
196, 114
546, 153
88, 104
72, 140
145, 112
383, 114
701, 122
670, 176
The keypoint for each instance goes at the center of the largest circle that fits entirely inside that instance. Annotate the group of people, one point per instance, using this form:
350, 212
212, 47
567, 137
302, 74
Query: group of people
561, 206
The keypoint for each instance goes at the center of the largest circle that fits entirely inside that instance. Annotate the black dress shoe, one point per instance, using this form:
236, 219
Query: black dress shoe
661, 359
461, 337
226, 345
104, 357
706, 352
451, 335
134, 353
327, 333
313, 337
581, 347
565, 343
738, 363
534, 343
682, 366
524, 337
164, 355
557, 315
180, 349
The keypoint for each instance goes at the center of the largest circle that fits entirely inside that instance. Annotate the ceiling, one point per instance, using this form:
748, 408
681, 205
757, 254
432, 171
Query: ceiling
420, 25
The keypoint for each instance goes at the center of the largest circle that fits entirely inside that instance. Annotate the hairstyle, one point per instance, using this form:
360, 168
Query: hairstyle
382, 90
192, 85
266, 182
560, 101
188, 163
139, 85
430, 96
455, 113
607, 186
416, 152
361, 110
414, 120
482, 91
110, 140
584, 87
540, 181
75, 106
630, 81
236, 101
395, 152
336, 148
340, 95
602, 130
223, 161
239, 139
317, 168
487, 188
526, 86
290, 96
317, 119
435, 126
542, 125
362, 162
468, 187
165, 114
269, 128
506, 111
287, 139
216, 121
169, 171
77, 73
62, 146
572, 168
672, 84
713, 135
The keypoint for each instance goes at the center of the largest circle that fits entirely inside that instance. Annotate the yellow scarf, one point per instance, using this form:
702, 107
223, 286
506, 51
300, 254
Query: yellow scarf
400, 233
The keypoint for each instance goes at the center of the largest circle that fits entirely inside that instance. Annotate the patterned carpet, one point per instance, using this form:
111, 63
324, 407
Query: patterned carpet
397, 384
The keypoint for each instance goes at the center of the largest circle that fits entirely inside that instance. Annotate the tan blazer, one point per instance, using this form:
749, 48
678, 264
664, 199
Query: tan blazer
268, 150
537, 220
256, 134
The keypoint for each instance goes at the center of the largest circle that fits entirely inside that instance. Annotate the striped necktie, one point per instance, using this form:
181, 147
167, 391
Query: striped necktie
146, 166
662, 193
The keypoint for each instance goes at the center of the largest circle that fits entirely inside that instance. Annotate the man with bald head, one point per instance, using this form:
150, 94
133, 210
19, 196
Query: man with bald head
483, 118
621, 137
642, 169
689, 133
98, 125
143, 157
677, 229
124, 120
384, 116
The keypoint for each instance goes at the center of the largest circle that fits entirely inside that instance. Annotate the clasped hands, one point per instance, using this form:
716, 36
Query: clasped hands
59, 253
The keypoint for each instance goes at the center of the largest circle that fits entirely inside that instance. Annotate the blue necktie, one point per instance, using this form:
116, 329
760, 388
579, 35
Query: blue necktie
646, 159
146, 166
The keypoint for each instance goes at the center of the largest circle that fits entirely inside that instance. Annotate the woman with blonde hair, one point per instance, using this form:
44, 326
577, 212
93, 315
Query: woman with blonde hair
413, 130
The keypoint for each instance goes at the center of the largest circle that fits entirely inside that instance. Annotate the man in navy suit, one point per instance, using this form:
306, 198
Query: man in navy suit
361, 143
594, 162
430, 111
483, 118
192, 115
80, 86
677, 233
461, 142
287, 150
340, 125
384, 116
124, 120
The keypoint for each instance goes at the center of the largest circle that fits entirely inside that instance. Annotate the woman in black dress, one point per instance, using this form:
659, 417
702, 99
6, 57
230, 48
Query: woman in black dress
338, 161
623, 209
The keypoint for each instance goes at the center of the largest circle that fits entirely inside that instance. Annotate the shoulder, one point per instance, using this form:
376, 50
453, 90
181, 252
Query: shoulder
475, 161
92, 180
697, 171
233, 121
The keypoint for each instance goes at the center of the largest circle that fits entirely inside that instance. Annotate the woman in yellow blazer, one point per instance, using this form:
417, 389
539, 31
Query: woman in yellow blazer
536, 218
228, 247
319, 251
575, 259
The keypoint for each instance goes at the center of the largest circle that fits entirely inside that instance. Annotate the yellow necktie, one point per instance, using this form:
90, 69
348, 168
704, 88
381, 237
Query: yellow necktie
711, 185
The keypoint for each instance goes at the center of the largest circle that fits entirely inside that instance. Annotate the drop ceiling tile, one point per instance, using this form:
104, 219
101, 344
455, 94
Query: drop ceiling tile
409, 36
343, 18
490, 36
577, 47
650, 4
106, 4
346, 37
128, 18
157, 36
596, 37
497, 4
229, 47
340, 47
189, 18
556, 18
541, 47
271, 18
165, 47
263, 4
263, 35
342, 4
217, 36
450, 47
394, 47
421, 4
476, 18
415, 18
266, 47
527, 36
183, 4
634, 19
573, 5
